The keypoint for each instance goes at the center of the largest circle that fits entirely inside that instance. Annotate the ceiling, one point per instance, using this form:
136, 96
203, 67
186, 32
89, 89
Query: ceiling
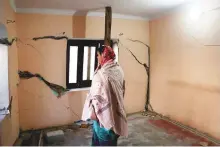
141, 8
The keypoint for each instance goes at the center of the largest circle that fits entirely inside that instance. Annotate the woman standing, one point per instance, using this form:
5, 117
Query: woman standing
104, 104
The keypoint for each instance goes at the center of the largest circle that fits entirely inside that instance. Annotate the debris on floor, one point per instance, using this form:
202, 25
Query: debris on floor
143, 131
54, 136
84, 124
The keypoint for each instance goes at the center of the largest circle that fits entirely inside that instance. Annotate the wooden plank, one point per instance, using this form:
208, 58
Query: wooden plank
108, 24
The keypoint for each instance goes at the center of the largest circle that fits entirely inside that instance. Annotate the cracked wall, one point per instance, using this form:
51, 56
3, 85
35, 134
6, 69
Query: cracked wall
48, 57
135, 74
10, 124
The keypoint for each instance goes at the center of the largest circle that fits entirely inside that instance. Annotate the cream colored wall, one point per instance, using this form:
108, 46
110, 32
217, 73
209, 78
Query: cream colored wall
185, 74
39, 108
10, 125
135, 74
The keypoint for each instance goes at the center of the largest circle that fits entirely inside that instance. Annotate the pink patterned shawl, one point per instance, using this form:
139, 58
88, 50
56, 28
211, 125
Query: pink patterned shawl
106, 96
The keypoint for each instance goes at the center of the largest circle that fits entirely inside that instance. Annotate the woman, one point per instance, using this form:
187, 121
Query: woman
104, 104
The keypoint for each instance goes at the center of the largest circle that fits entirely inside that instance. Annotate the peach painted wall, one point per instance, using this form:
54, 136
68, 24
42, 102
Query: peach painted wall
79, 26
185, 82
10, 124
135, 74
39, 108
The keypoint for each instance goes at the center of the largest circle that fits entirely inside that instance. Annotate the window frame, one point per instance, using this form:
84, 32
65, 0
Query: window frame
81, 43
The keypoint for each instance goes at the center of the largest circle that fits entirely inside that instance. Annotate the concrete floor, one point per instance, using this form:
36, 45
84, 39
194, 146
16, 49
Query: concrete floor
143, 131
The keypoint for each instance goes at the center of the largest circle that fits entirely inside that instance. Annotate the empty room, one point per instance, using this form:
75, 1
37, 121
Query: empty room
109, 72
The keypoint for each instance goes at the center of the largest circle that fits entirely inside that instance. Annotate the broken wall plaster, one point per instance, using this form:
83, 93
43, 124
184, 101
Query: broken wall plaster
57, 89
51, 37
147, 68
7, 41
10, 21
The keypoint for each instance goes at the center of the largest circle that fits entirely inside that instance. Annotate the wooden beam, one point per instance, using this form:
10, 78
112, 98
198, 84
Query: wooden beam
108, 25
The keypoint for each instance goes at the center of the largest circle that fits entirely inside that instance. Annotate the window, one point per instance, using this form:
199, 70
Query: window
82, 61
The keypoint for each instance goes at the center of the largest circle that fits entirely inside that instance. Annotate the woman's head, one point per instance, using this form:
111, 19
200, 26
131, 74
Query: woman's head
104, 54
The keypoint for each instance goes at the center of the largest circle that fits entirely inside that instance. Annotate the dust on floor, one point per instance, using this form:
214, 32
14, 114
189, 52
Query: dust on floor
143, 131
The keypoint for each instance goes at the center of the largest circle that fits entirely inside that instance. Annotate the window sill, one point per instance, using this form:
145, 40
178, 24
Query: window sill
79, 89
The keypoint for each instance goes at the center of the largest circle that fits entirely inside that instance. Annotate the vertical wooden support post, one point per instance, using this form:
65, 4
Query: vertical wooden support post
148, 82
108, 25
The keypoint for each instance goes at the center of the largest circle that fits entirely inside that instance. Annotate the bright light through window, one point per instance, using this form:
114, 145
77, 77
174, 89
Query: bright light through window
81, 61
73, 64
85, 62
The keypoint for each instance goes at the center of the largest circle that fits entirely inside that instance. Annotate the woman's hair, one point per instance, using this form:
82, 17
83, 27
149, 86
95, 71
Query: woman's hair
101, 49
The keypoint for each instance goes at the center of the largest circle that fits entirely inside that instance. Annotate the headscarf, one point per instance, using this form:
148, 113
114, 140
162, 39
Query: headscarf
107, 55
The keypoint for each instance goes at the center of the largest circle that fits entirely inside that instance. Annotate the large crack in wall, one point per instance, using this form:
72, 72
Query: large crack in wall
60, 90
57, 89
